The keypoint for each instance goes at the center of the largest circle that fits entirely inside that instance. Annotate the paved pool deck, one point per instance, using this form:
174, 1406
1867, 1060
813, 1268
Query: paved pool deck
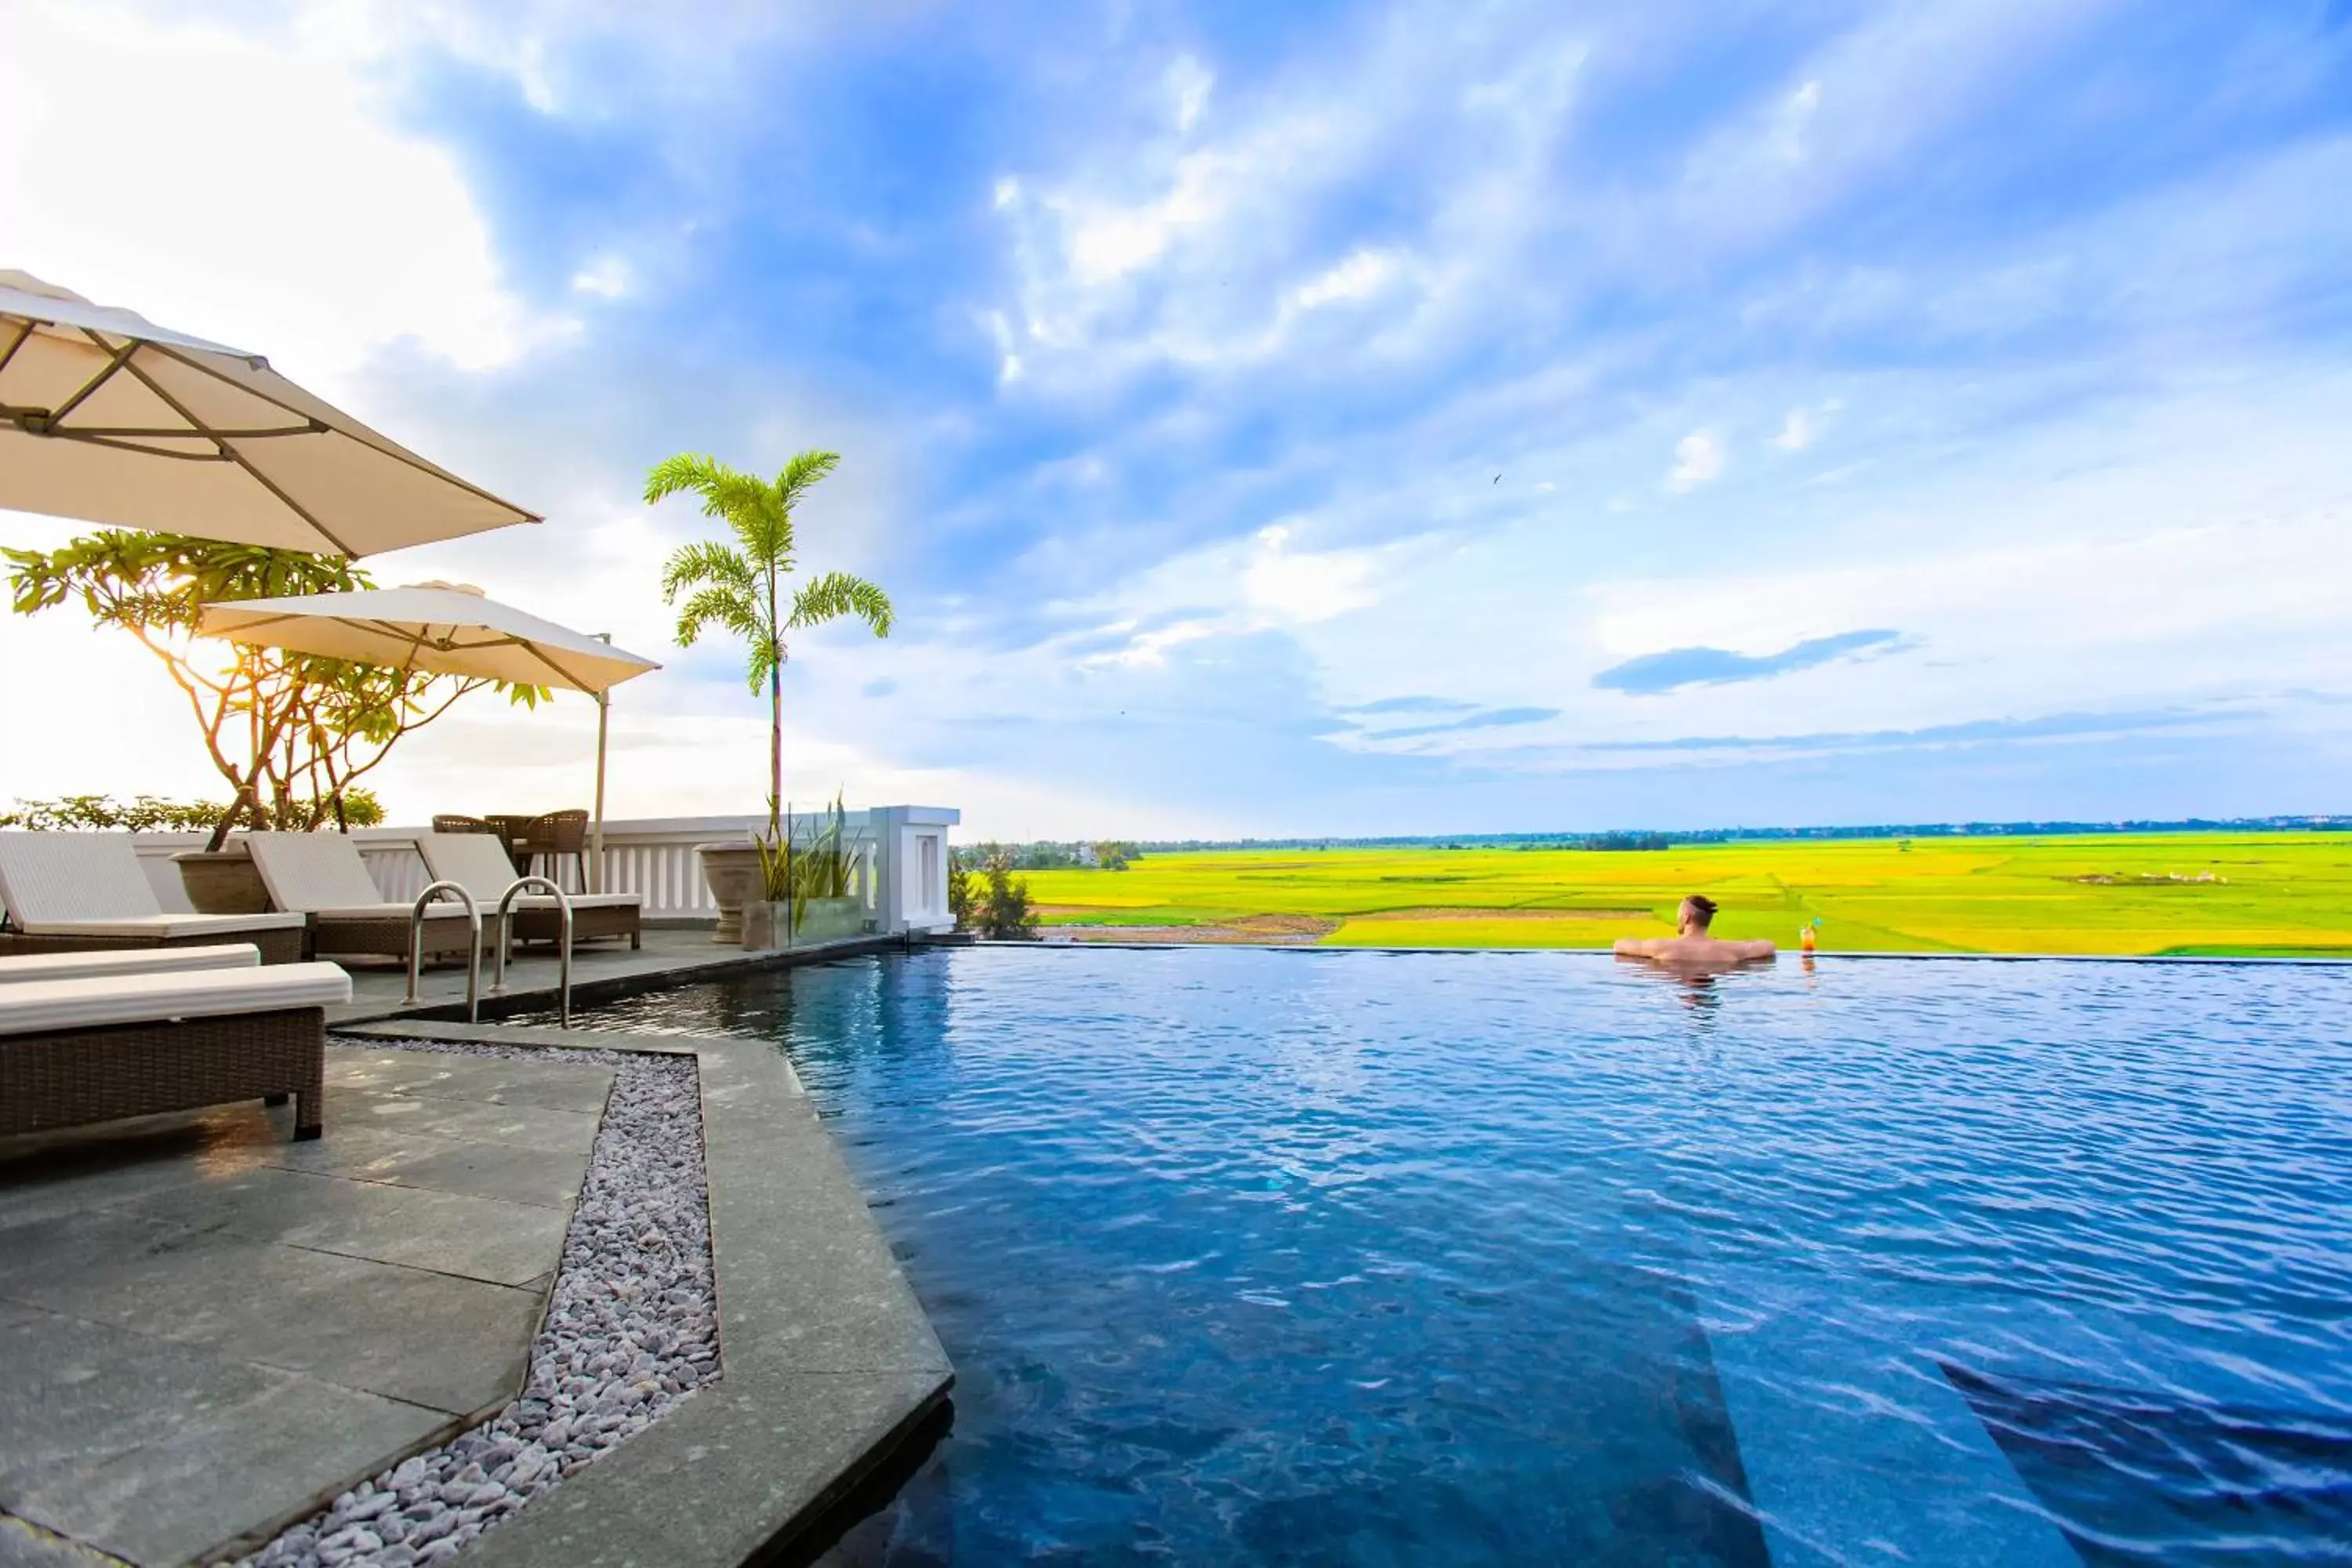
600, 972
207, 1331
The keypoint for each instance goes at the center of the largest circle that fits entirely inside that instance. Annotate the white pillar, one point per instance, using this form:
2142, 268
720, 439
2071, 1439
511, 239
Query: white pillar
913, 844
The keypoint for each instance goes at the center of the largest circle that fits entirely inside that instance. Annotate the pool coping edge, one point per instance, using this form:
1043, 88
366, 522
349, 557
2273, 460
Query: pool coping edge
829, 1362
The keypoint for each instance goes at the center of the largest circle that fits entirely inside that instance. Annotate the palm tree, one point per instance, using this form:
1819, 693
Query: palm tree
740, 586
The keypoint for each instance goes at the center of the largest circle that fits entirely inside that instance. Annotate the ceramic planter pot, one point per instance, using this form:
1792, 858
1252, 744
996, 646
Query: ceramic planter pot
223, 881
767, 925
733, 872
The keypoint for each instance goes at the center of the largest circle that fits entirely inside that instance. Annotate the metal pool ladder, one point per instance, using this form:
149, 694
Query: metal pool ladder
564, 924
473, 951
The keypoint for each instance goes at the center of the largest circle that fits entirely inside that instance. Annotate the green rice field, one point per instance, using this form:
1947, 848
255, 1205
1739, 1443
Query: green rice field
2267, 894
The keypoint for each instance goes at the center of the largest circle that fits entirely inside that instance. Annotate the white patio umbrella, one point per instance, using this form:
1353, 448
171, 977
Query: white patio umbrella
108, 417
445, 629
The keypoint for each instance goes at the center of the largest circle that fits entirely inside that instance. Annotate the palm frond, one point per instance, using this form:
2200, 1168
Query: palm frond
686, 471
801, 474
702, 564
839, 593
727, 493
726, 607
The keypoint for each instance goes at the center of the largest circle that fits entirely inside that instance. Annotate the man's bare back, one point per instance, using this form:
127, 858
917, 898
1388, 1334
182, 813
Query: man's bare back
1690, 947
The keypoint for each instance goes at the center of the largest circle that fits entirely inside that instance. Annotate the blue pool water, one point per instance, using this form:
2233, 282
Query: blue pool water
1386, 1259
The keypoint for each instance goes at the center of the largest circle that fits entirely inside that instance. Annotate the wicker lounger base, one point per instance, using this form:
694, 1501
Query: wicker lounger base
76, 1077
279, 944
390, 937
587, 925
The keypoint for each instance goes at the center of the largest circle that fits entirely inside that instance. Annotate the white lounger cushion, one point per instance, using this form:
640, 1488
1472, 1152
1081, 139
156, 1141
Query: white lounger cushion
73, 877
577, 900
318, 873
439, 909
165, 928
125, 960
89, 884
50, 1006
476, 862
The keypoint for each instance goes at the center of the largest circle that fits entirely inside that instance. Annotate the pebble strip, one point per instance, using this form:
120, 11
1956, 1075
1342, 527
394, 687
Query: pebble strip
632, 1329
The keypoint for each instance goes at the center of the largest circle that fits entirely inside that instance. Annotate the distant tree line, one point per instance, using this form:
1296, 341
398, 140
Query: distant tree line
1627, 841
1615, 839
1082, 855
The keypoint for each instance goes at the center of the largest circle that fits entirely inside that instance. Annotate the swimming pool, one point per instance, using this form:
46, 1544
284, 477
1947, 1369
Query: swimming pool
1364, 1257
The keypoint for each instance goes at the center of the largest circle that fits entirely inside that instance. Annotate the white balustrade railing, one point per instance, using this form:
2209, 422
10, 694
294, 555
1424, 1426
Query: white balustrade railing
901, 879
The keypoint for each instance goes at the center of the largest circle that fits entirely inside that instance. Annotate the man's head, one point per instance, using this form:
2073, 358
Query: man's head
1696, 913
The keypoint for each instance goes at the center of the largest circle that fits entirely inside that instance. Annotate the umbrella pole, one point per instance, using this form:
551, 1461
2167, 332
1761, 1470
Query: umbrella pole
596, 835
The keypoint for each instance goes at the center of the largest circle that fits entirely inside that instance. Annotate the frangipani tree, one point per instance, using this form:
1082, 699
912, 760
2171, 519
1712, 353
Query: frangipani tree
291, 735
740, 586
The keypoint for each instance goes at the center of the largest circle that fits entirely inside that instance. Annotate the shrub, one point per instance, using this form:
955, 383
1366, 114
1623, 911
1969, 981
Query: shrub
1005, 913
152, 814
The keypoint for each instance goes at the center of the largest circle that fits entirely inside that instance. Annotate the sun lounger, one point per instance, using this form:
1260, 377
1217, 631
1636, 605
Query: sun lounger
21, 967
95, 1049
322, 876
480, 865
79, 893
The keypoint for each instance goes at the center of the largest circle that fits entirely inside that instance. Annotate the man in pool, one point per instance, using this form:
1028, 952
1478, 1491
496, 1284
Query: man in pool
1690, 947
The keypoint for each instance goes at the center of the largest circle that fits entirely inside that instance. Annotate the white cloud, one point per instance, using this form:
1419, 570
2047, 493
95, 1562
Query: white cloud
606, 278
1803, 427
1359, 277
1789, 134
254, 195
1008, 364
1189, 81
1699, 459
1283, 585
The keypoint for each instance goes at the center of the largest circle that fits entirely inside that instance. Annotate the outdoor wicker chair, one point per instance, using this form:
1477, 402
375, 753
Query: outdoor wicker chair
553, 838
18, 968
74, 1052
322, 875
511, 831
475, 865
81, 892
442, 823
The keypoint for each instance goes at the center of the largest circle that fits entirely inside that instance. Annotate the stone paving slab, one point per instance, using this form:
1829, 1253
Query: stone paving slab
205, 1329
549, 1086
450, 1232
415, 1157
24, 1544
155, 1451
428, 1339
517, 1126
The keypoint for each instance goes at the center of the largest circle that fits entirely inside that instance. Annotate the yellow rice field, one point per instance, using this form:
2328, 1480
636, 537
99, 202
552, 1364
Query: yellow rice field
2288, 894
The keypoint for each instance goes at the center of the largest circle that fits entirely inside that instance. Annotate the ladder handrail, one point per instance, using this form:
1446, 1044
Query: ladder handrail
564, 912
473, 953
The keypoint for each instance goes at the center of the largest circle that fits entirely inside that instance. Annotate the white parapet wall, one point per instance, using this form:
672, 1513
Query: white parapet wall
903, 879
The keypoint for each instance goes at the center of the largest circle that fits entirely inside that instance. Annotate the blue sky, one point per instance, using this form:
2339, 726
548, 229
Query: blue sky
1318, 418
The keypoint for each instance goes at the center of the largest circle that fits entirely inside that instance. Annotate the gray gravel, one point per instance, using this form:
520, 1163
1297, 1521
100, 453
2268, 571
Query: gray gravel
632, 1329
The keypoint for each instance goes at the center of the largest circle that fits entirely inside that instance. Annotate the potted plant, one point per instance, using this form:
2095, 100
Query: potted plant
740, 586
732, 869
825, 878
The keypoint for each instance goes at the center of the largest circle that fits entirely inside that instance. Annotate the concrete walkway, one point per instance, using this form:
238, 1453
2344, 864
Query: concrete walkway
207, 1330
